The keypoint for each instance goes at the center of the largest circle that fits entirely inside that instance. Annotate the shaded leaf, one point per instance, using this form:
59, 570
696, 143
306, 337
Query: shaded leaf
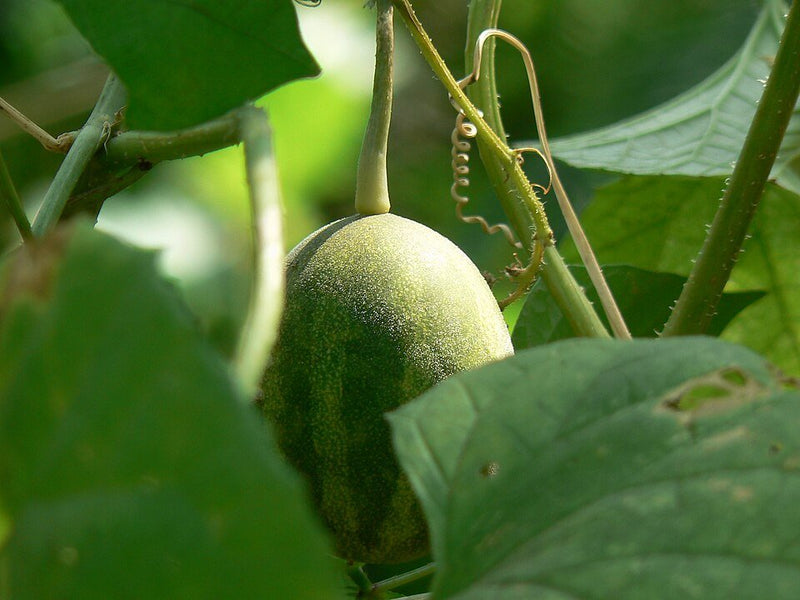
644, 298
186, 61
129, 466
575, 470
700, 132
659, 223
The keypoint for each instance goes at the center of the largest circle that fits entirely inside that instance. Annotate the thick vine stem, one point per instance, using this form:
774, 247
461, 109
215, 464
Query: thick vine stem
698, 301
372, 186
9, 196
87, 142
513, 187
260, 329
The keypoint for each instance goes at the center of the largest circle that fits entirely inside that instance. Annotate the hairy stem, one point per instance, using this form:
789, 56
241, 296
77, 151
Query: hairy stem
570, 297
700, 296
88, 141
9, 196
260, 328
372, 187
131, 147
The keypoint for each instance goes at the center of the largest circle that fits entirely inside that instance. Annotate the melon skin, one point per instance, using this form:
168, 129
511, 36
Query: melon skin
378, 309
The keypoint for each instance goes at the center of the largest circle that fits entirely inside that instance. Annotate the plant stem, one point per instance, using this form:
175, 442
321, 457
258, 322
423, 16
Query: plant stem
131, 147
87, 142
260, 328
8, 193
372, 186
404, 578
356, 573
698, 301
570, 297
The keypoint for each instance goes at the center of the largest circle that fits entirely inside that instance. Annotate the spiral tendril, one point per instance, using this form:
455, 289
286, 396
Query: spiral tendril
462, 133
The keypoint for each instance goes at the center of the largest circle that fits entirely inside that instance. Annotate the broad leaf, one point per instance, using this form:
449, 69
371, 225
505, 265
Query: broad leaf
129, 466
644, 298
701, 132
610, 470
186, 61
659, 223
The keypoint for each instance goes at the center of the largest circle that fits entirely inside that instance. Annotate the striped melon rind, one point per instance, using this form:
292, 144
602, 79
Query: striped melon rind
379, 308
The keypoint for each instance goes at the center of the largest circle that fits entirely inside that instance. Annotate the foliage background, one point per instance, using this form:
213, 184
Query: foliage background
597, 62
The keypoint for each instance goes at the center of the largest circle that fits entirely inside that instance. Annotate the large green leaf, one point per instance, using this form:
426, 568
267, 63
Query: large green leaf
129, 466
701, 132
659, 223
604, 469
186, 61
644, 298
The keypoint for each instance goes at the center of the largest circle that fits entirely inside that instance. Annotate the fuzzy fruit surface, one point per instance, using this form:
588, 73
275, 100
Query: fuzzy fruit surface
378, 309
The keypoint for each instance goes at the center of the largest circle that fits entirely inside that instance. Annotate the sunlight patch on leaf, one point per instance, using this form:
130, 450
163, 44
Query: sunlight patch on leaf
700, 132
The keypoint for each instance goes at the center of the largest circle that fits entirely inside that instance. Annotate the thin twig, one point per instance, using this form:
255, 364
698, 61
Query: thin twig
404, 578
8, 193
60, 144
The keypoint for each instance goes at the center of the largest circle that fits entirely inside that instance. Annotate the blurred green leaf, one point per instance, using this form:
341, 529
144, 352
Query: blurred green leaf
187, 61
701, 132
129, 466
644, 298
576, 470
658, 223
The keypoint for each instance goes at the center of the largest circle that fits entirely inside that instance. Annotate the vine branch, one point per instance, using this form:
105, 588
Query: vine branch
701, 294
260, 329
87, 142
8, 193
570, 297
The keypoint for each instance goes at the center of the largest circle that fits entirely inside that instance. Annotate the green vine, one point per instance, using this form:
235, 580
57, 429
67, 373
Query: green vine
87, 142
260, 329
510, 181
698, 301
8, 194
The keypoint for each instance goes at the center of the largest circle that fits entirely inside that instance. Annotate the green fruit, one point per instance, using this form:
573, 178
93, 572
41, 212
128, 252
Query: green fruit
378, 309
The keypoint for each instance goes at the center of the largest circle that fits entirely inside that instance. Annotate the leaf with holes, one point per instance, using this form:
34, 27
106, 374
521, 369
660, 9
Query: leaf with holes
186, 61
655, 469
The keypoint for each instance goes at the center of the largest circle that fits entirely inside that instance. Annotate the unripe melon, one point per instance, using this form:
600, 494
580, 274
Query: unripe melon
378, 309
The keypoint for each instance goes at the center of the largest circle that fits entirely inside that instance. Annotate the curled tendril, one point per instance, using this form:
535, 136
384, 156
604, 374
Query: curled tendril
309, 2
462, 132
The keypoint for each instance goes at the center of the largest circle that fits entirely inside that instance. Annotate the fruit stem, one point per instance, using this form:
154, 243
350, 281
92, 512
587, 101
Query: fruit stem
701, 294
8, 193
372, 187
88, 141
260, 329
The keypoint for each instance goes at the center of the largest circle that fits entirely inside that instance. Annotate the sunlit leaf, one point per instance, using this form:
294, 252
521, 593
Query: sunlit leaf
701, 132
610, 470
186, 61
